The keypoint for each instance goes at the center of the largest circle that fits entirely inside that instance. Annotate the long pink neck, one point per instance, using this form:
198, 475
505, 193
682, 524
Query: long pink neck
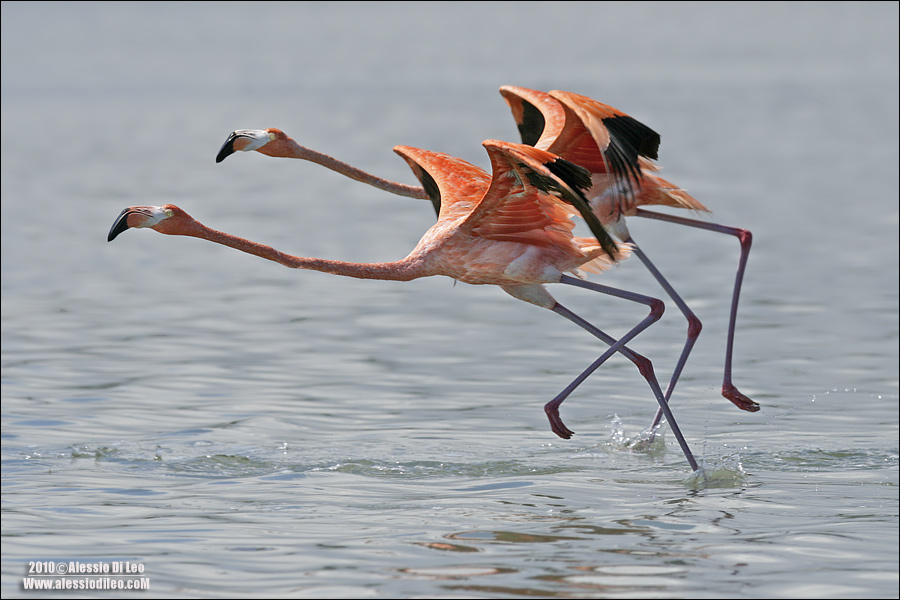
402, 270
401, 189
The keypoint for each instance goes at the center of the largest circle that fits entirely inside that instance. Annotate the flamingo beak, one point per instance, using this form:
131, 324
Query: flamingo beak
227, 148
121, 223
244, 140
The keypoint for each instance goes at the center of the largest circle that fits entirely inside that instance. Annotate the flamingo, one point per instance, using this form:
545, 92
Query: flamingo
507, 229
617, 150
622, 175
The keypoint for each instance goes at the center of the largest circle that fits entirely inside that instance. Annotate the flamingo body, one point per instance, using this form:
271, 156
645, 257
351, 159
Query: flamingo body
509, 234
618, 151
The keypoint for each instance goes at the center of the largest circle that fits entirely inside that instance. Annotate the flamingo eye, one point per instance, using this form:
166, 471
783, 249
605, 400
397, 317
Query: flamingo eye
271, 137
169, 212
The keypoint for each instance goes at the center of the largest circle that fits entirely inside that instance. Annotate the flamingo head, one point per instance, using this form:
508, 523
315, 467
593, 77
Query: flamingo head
246, 140
167, 219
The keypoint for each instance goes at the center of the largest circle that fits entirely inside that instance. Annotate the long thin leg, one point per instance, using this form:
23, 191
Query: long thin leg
552, 407
694, 324
729, 391
644, 365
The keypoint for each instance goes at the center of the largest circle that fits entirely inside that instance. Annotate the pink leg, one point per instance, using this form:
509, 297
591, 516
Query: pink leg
729, 391
643, 364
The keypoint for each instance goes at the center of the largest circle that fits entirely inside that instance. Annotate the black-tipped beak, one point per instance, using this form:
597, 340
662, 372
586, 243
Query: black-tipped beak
120, 225
227, 148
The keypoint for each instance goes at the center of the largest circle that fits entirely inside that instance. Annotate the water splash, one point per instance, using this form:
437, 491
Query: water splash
649, 441
718, 472
713, 472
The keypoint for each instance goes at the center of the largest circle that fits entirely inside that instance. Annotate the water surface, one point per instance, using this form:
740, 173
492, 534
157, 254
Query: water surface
238, 428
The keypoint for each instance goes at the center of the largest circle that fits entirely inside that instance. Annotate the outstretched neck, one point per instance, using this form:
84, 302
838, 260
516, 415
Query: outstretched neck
403, 270
297, 151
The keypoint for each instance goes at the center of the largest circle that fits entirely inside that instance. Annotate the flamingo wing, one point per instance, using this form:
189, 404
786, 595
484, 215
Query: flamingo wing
622, 141
539, 117
514, 204
453, 184
521, 202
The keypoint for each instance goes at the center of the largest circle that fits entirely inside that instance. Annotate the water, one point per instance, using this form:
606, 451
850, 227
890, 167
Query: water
237, 428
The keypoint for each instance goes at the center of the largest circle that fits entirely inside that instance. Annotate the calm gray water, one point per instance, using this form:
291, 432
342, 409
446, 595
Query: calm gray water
236, 428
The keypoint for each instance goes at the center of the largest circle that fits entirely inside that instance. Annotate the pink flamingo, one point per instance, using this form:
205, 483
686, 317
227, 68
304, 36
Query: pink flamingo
508, 229
612, 145
617, 149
